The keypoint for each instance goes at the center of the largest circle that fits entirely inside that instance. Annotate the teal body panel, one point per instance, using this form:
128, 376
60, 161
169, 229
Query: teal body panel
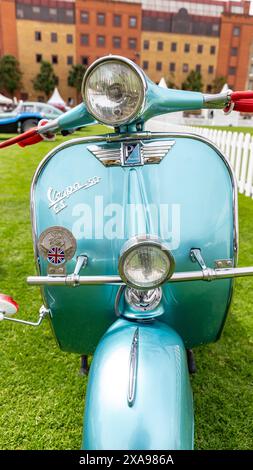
157, 101
192, 190
161, 416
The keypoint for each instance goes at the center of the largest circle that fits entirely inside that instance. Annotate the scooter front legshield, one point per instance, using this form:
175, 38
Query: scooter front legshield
161, 413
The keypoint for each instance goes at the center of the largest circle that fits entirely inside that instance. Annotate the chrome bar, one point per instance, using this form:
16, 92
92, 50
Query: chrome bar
44, 312
72, 280
207, 274
219, 100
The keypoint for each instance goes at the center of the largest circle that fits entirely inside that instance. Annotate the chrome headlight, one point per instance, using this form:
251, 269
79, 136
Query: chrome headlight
114, 90
145, 263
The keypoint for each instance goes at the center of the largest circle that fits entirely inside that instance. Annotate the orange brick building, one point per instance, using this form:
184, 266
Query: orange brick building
235, 57
107, 27
8, 35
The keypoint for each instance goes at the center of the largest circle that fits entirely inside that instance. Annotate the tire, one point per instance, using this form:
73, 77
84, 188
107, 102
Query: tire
28, 124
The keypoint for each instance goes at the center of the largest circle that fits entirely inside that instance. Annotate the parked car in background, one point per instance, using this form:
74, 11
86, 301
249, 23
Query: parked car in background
26, 115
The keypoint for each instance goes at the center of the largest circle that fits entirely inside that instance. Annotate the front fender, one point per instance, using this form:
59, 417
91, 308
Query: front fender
161, 415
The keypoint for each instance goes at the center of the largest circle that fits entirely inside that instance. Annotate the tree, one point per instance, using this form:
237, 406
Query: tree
218, 83
193, 81
171, 84
170, 81
10, 75
75, 76
46, 80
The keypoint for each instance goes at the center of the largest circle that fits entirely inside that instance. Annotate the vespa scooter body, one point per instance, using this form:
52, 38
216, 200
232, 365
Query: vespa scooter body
190, 201
92, 196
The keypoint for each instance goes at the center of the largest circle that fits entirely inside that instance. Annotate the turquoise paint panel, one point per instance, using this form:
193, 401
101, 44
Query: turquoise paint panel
190, 190
162, 413
75, 117
161, 101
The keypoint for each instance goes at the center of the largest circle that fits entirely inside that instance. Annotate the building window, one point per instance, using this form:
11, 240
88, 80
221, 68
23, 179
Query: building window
185, 68
37, 36
159, 66
54, 59
116, 41
146, 44
24, 96
231, 70
85, 60
38, 58
236, 31
54, 37
210, 69
84, 39
172, 67
173, 47
132, 43
234, 51
84, 17
250, 86
101, 19
116, 20
215, 27
251, 69
187, 47
160, 46
52, 11
212, 49
198, 68
20, 13
36, 10
132, 22
69, 38
199, 48
100, 41
70, 60
69, 13
145, 65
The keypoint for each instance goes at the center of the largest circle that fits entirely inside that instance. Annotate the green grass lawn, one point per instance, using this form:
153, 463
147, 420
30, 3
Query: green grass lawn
41, 392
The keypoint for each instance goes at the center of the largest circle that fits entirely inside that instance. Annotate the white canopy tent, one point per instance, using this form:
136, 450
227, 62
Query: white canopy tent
56, 98
4, 100
162, 83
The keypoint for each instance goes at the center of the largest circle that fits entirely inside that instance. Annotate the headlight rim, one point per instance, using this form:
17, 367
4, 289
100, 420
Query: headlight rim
143, 240
136, 69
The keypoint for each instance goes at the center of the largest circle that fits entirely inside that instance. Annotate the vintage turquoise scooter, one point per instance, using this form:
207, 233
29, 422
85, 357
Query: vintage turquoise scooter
135, 237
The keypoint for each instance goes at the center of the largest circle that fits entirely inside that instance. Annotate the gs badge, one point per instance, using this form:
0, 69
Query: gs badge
57, 245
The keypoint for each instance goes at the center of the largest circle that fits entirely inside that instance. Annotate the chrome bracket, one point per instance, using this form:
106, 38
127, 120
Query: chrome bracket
81, 263
43, 313
196, 256
223, 263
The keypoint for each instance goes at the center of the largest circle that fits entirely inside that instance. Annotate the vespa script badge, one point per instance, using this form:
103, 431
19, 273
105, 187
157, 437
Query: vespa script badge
57, 245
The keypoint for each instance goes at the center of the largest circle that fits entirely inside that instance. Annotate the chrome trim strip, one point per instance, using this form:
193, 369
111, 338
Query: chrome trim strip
124, 138
133, 365
209, 274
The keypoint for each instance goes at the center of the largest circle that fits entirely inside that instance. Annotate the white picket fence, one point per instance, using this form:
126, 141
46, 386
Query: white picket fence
236, 146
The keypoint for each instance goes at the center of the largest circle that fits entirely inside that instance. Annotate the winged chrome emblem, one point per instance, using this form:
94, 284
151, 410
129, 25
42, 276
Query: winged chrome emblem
133, 153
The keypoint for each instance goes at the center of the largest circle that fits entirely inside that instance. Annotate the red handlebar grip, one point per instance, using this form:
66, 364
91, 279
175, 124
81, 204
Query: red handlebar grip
241, 95
245, 106
22, 139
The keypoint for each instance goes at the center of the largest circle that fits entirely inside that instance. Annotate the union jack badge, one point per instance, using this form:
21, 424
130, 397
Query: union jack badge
56, 256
